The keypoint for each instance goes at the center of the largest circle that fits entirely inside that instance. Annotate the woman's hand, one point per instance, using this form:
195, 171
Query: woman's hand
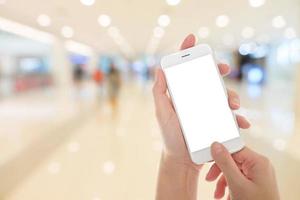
247, 174
175, 147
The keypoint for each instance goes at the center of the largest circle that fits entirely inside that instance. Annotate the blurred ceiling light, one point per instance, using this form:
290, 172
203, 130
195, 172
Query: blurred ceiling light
87, 2
173, 2
44, 20
163, 20
108, 167
2, 2
158, 32
104, 20
278, 22
79, 48
203, 32
25, 31
222, 21
67, 32
290, 33
257, 3
248, 32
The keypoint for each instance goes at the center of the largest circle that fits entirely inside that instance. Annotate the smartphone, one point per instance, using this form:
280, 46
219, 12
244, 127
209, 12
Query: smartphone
201, 102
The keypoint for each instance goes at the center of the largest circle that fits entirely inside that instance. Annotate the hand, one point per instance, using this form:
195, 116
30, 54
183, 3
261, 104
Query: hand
247, 174
175, 147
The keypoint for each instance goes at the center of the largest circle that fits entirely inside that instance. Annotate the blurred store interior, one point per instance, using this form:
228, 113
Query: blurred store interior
76, 110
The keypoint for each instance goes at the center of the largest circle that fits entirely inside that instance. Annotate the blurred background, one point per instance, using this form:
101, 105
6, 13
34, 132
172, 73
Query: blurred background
76, 110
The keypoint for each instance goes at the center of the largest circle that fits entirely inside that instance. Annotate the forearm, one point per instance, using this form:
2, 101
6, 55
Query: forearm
176, 181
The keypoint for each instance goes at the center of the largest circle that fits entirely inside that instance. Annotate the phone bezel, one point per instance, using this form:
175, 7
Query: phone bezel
203, 155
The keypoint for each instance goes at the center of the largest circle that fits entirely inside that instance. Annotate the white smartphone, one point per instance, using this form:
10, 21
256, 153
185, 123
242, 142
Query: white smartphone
200, 101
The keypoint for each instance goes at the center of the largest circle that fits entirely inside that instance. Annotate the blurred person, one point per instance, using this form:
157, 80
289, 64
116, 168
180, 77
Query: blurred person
113, 86
78, 74
98, 77
247, 174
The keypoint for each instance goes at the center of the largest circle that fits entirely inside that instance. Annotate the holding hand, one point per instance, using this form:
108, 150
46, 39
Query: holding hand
175, 147
247, 174
178, 175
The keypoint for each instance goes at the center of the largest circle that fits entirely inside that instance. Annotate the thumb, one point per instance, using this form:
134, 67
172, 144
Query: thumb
227, 165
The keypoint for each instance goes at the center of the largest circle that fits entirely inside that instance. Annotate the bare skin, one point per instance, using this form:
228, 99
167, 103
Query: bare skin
178, 175
248, 175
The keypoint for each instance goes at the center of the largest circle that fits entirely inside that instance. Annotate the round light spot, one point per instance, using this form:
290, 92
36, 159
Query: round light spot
3, 2
256, 3
278, 22
73, 147
163, 20
54, 167
108, 167
44, 20
104, 20
222, 21
88, 2
67, 32
173, 2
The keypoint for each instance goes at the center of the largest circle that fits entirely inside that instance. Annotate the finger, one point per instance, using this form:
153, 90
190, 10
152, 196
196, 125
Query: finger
162, 102
252, 164
213, 173
224, 69
244, 154
233, 99
220, 187
188, 42
227, 165
242, 122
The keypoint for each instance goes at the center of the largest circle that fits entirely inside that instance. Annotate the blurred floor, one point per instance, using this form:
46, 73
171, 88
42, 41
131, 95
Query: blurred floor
94, 154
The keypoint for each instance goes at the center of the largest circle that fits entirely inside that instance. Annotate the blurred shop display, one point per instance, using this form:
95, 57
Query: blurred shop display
24, 64
32, 72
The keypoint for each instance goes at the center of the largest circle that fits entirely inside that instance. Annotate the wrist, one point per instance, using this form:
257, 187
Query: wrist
177, 179
180, 163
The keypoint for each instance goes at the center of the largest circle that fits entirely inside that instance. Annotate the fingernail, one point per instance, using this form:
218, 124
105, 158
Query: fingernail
248, 123
217, 147
236, 101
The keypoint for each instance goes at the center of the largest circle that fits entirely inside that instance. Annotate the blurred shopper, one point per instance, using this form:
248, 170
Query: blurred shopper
247, 174
78, 74
113, 86
98, 77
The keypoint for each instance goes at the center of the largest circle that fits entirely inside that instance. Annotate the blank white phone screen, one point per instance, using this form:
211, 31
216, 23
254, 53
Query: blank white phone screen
201, 103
